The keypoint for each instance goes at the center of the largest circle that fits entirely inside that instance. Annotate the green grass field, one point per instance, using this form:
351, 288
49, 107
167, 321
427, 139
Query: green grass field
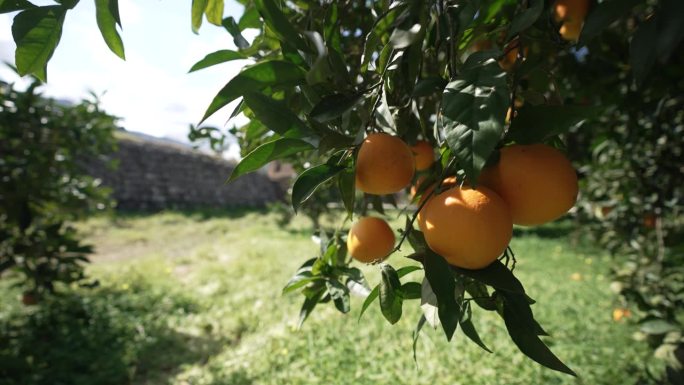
196, 299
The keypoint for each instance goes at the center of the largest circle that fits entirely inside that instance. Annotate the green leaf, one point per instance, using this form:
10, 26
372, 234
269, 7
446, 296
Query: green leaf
403, 37
332, 106
670, 28
309, 180
218, 57
36, 32
106, 12
642, 50
267, 152
529, 343
276, 116
416, 333
534, 124
369, 300
526, 18
69, 4
390, 294
473, 111
496, 275
417, 241
406, 270
279, 24
411, 290
383, 115
520, 305
234, 30
339, 294
657, 327
257, 77
429, 86
300, 280
214, 11
478, 291
250, 18
346, 183
442, 282
428, 304
401, 272
469, 329
371, 43
309, 304
197, 14
7, 6
604, 14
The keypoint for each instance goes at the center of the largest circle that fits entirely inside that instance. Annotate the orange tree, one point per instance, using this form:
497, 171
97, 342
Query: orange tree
44, 145
467, 77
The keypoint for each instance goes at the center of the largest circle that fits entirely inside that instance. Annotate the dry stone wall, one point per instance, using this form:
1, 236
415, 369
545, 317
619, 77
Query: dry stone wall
153, 175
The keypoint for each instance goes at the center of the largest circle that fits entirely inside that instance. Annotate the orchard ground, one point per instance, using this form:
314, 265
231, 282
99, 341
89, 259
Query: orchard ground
195, 298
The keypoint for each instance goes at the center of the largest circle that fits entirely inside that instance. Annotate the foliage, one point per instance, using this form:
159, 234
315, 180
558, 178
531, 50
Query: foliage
632, 162
327, 73
43, 145
205, 308
105, 335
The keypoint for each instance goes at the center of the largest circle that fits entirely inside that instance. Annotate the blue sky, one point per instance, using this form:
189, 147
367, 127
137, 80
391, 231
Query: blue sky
151, 91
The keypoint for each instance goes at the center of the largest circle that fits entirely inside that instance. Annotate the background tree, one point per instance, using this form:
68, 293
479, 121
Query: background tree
43, 145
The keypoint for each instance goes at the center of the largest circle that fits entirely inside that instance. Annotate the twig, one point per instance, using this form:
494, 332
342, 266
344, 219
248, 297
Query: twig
381, 86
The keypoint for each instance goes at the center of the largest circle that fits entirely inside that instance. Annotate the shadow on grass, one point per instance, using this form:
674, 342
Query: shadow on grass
197, 214
99, 336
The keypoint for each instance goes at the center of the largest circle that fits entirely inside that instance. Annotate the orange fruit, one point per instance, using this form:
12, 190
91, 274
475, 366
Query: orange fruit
416, 186
649, 221
570, 10
570, 30
370, 239
384, 165
448, 182
424, 155
537, 182
29, 298
508, 60
469, 228
482, 45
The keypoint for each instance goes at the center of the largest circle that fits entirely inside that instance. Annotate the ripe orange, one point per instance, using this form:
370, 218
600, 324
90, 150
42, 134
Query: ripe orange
384, 165
649, 221
536, 181
370, 239
416, 186
29, 298
570, 10
446, 183
424, 155
469, 228
482, 45
508, 60
570, 30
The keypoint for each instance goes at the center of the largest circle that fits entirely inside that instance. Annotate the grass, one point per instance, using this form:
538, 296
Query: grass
195, 299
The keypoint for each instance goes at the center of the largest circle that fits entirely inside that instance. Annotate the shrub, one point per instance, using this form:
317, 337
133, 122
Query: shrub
43, 145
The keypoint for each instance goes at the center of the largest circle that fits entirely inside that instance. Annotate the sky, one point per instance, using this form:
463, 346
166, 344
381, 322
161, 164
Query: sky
151, 91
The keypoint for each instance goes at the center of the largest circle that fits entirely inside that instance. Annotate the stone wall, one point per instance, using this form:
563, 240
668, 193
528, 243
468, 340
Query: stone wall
153, 174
